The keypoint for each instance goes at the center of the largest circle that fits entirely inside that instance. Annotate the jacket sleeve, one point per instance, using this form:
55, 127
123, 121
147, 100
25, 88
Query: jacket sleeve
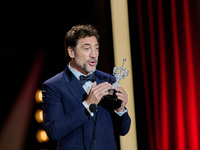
56, 122
121, 123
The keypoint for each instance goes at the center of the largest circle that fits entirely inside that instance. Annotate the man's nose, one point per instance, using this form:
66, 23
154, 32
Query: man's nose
93, 53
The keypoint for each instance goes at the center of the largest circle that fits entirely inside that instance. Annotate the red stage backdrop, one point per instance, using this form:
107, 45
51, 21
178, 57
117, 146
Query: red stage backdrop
168, 33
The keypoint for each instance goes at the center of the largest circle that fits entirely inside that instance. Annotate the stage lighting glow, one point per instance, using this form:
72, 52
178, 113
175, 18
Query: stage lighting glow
41, 136
39, 116
38, 96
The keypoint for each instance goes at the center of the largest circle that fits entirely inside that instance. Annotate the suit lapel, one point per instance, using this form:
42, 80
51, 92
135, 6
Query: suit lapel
74, 86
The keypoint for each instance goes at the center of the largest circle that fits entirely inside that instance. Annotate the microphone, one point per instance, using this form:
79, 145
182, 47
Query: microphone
93, 108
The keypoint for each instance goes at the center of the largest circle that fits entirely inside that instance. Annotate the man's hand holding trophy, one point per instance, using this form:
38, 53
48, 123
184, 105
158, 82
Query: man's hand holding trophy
111, 100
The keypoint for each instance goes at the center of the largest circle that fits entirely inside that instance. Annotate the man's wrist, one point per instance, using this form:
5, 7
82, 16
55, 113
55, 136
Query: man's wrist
88, 103
121, 113
87, 107
119, 110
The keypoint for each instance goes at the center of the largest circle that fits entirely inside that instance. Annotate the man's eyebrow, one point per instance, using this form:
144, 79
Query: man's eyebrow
87, 44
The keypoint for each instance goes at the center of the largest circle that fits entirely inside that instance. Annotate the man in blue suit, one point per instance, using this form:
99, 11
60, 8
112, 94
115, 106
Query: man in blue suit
68, 95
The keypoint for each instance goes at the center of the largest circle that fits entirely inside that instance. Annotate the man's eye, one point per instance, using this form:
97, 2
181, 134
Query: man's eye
87, 48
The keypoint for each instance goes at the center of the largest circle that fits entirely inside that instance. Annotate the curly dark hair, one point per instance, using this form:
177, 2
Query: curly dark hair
77, 32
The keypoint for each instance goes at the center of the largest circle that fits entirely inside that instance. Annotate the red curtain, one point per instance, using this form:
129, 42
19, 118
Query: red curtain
170, 58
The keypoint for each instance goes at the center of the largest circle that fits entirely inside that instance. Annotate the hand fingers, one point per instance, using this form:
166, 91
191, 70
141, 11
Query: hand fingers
122, 98
120, 89
101, 87
95, 83
122, 95
98, 91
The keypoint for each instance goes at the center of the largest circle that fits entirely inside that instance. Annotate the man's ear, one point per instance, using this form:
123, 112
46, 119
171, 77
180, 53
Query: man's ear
70, 52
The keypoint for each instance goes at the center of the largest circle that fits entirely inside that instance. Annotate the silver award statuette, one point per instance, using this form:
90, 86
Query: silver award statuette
119, 73
111, 100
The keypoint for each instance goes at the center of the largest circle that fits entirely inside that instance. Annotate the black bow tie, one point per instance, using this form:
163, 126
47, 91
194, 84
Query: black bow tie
84, 79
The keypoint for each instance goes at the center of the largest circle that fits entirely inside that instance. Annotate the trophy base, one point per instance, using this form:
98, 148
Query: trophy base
111, 100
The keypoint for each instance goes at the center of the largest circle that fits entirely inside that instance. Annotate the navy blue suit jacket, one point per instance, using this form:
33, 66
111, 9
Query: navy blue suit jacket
68, 122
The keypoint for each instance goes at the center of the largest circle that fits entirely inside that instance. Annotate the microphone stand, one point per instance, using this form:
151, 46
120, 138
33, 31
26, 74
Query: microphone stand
93, 108
94, 132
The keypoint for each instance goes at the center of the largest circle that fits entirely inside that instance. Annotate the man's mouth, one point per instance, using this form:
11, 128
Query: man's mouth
92, 62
